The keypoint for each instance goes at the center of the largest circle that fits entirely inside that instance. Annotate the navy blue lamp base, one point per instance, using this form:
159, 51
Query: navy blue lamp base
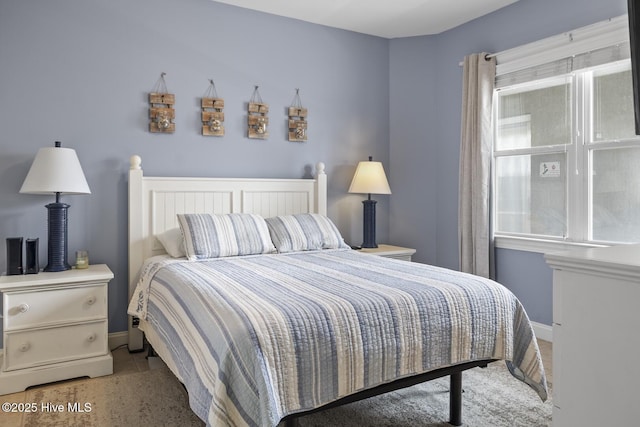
369, 224
57, 245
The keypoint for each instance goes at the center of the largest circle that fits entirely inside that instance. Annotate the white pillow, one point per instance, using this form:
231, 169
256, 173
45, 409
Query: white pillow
214, 236
304, 232
173, 242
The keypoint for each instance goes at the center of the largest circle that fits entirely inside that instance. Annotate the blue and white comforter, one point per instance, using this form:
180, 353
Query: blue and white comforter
256, 338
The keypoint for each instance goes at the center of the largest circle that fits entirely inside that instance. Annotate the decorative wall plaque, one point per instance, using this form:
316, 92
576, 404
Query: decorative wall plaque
161, 112
297, 120
212, 114
258, 117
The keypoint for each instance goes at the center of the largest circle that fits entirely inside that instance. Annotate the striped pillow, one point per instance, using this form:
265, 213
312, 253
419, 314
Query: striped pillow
215, 236
304, 232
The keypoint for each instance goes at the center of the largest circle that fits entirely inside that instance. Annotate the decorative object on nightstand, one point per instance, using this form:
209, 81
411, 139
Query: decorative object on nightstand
369, 179
56, 170
82, 259
14, 256
55, 327
33, 266
390, 251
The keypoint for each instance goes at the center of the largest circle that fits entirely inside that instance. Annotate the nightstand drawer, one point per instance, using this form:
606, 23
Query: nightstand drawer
48, 307
50, 345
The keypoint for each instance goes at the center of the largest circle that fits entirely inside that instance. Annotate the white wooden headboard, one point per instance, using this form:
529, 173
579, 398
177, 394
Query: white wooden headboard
155, 201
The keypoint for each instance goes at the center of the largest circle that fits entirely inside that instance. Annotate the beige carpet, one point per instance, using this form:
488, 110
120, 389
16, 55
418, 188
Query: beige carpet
155, 398
150, 398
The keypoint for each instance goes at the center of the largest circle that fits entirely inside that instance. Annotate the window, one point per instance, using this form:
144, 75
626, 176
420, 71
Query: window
532, 136
566, 160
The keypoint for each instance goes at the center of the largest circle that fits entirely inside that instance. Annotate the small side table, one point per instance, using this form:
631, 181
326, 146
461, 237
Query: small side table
55, 327
390, 251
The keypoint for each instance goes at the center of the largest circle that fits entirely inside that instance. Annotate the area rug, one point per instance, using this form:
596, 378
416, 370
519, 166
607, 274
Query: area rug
492, 397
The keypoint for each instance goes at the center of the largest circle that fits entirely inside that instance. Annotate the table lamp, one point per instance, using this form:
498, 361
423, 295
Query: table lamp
369, 179
56, 170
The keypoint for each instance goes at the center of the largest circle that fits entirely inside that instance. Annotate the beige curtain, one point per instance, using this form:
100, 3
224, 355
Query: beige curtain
474, 234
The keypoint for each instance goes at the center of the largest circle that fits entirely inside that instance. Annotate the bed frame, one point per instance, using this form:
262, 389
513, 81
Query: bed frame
155, 201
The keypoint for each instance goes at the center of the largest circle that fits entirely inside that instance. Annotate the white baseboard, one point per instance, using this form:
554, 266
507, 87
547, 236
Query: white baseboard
542, 331
117, 339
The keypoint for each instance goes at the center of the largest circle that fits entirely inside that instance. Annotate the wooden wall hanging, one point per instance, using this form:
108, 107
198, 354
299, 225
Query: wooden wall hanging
258, 118
161, 112
297, 120
212, 114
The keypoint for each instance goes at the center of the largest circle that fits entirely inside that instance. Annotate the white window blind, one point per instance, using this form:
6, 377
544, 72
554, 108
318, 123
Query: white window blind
596, 44
566, 65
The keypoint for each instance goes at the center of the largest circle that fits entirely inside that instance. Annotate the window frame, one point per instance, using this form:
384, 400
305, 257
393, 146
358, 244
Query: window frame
604, 34
579, 163
530, 239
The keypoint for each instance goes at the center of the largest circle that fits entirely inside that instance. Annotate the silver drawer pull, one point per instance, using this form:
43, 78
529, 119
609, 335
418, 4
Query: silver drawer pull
91, 338
24, 347
91, 300
23, 308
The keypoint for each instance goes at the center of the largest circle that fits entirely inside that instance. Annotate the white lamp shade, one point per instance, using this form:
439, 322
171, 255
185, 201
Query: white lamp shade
370, 179
55, 170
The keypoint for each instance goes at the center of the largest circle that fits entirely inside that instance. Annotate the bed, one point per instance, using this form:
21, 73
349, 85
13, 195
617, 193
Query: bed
299, 323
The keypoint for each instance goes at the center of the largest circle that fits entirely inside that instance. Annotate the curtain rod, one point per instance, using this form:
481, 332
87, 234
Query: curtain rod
487, 57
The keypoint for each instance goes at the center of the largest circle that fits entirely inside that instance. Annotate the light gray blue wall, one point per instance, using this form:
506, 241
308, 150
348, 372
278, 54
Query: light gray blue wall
426, 93
79, 72
530, 278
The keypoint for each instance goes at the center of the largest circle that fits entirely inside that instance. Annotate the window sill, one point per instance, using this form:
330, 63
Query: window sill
541, 246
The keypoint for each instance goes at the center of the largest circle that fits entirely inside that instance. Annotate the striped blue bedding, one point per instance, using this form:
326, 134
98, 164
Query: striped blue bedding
256, 338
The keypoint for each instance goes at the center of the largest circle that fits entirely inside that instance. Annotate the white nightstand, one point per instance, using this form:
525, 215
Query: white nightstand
54, 327
389, 251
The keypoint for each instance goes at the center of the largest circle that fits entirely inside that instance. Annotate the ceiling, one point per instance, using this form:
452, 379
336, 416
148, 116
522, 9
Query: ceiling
384, 18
